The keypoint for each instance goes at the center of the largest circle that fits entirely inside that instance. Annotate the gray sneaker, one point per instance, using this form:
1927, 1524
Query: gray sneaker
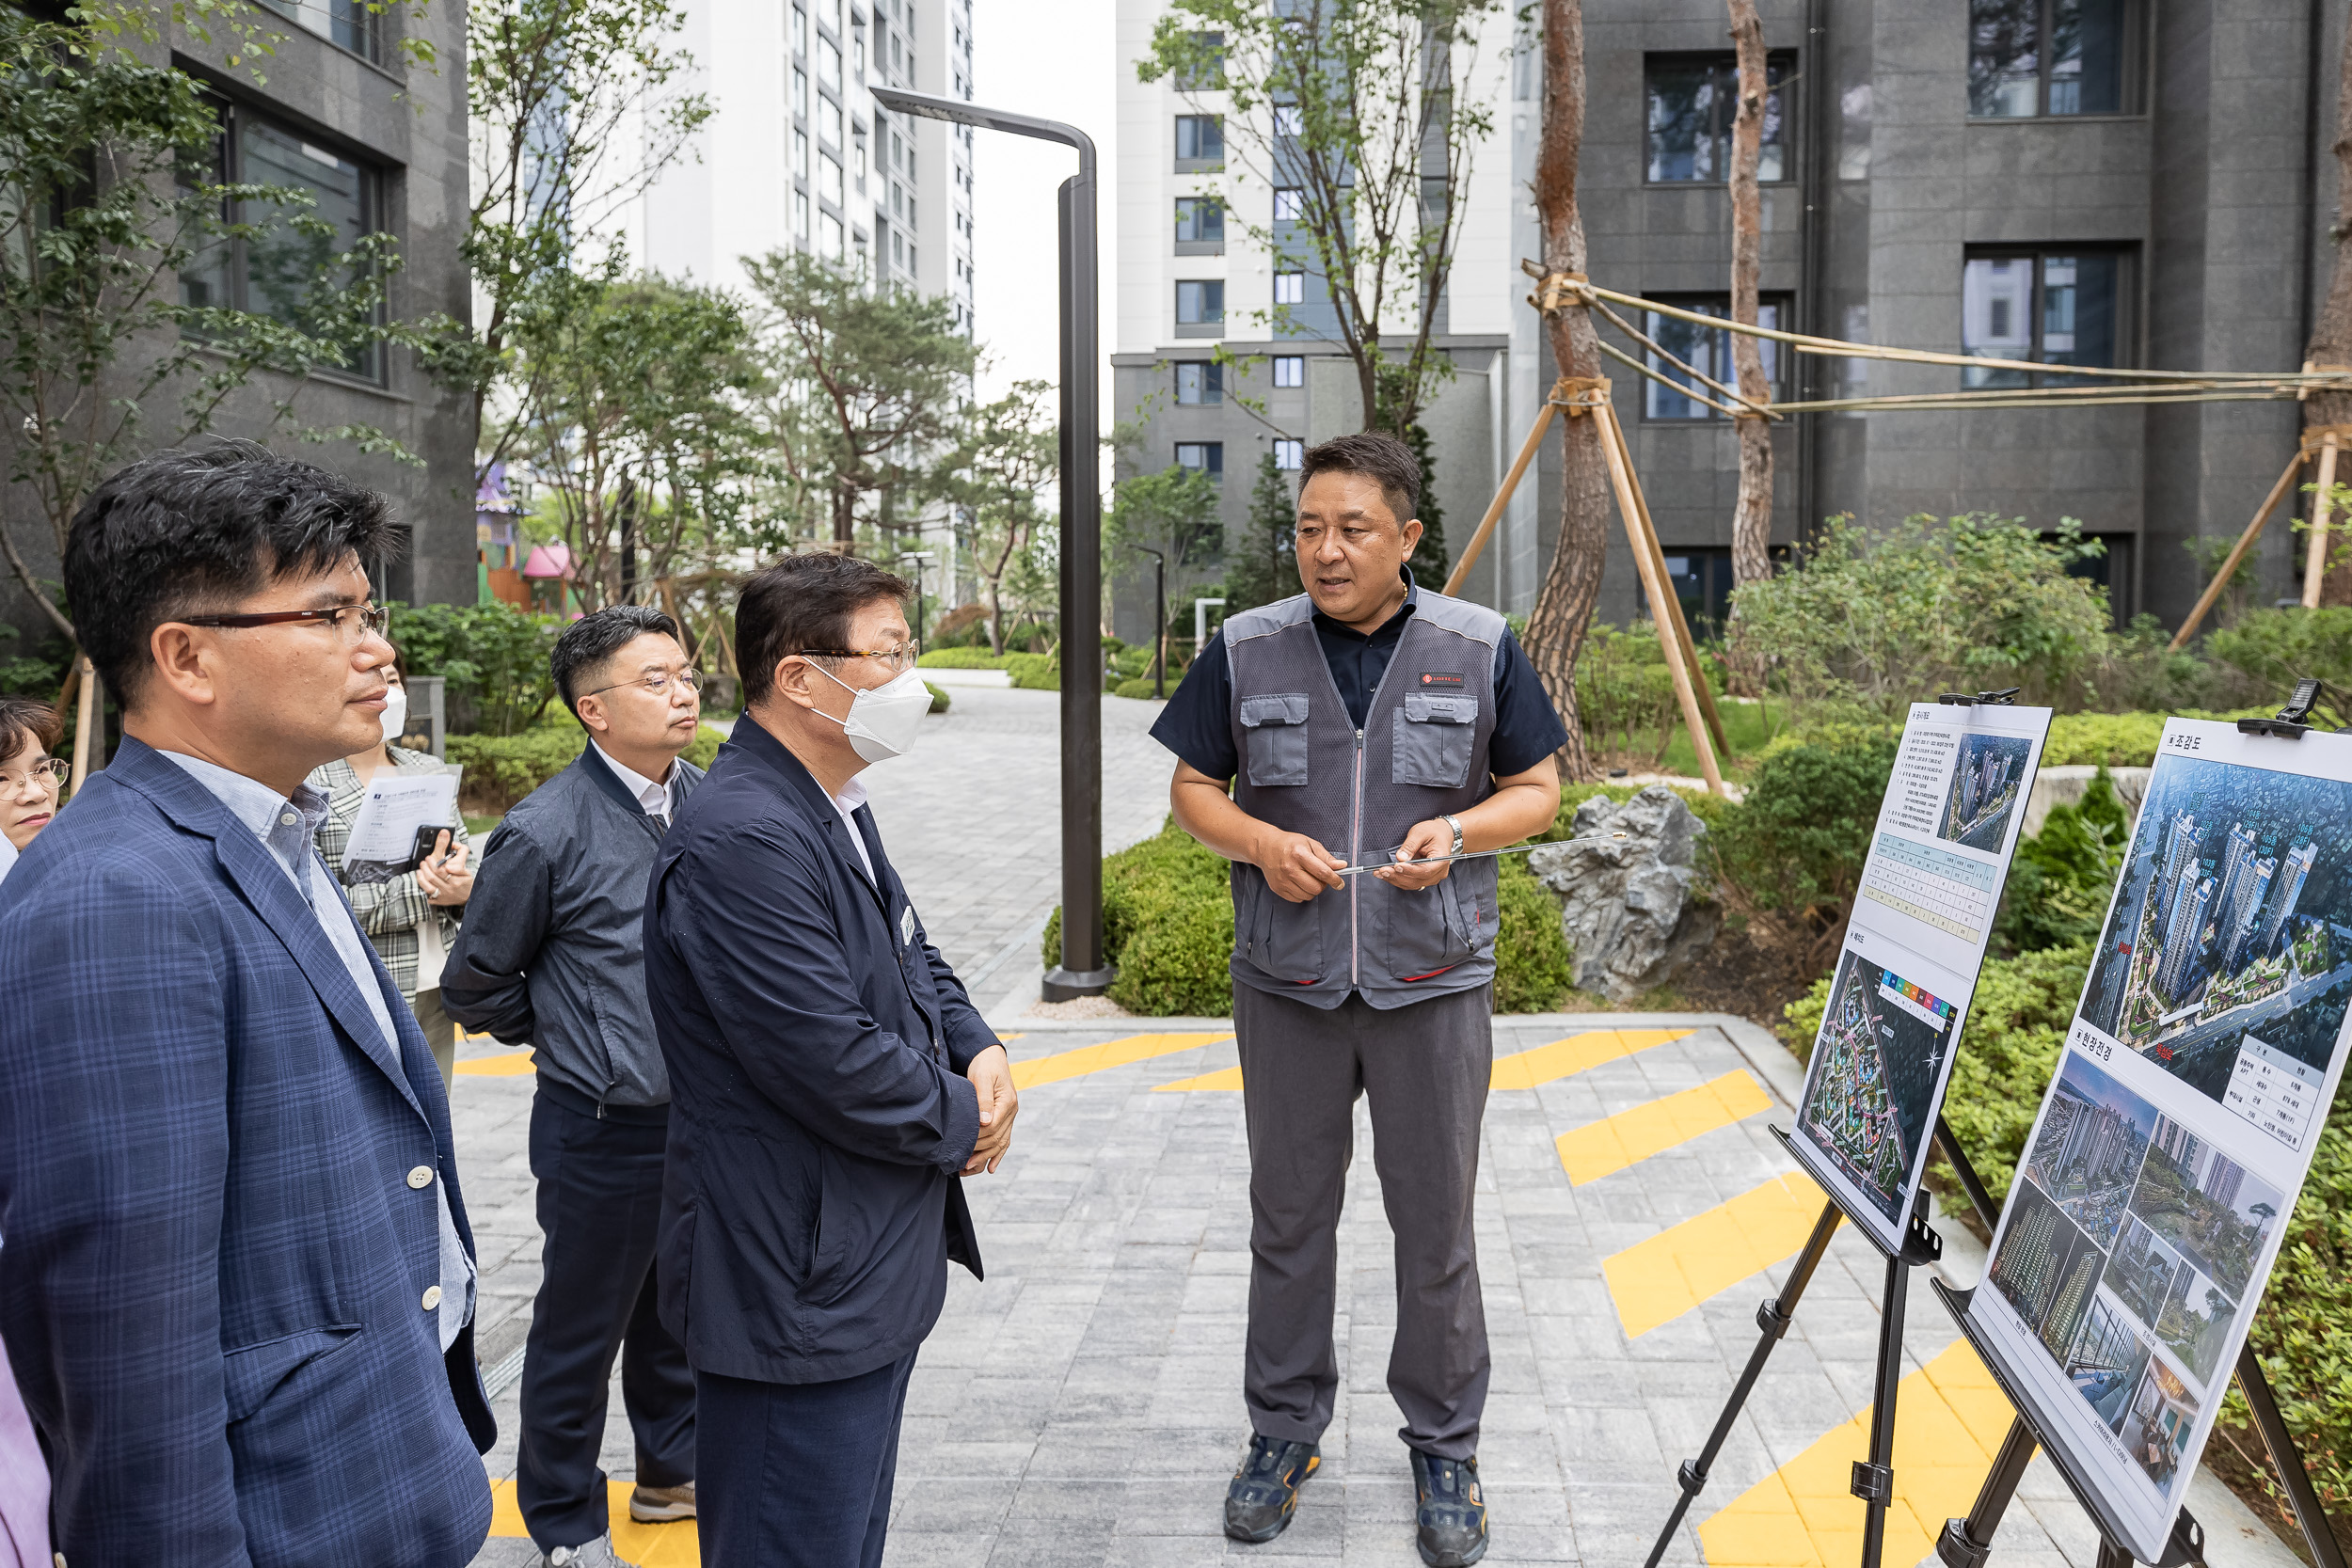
588, 1554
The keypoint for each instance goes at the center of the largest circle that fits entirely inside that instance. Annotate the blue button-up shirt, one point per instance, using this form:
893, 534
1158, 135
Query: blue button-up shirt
289, 829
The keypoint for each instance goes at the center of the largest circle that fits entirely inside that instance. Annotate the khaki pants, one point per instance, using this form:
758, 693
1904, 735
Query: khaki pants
440, 1034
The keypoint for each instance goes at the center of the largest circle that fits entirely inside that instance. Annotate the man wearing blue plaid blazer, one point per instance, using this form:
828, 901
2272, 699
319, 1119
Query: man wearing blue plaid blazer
239, 1284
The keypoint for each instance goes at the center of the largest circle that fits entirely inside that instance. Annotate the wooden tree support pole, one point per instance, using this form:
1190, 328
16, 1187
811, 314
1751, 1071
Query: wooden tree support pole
1502, 498
2315, 555
2237, 552
88, 715
1653, 583
1658, 563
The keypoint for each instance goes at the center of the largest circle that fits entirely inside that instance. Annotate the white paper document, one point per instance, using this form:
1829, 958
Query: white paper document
2157, 1182
398, 803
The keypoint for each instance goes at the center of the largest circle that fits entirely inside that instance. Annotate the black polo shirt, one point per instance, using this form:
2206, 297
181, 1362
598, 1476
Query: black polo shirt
1198, 723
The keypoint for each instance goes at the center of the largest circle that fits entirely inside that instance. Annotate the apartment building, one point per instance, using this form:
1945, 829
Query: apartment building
2127, 183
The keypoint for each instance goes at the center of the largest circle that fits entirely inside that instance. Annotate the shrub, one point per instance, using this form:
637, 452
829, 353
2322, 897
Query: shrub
2275, 648
1797, 842
939, 697
1534, 968
1141, 687
2061, 880
493, 657
1624, 693
500, 769
1035, 671
960, 659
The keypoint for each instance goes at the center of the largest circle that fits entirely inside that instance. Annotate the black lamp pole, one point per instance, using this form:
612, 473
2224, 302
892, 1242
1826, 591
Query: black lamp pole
1159, 624
1082, 969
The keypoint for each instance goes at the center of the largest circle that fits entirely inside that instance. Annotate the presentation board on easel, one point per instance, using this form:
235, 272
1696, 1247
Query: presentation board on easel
2181, 1118
1922, 916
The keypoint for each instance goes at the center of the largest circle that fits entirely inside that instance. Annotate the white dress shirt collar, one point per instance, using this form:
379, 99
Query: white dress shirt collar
851, 796
654, 797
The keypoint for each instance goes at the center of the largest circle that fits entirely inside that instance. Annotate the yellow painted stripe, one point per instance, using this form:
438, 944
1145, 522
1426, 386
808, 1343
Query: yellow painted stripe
1656, 1282
514, 1063
1528, 1069
675, 1545
1949, 1417
1110, 1053
1228, 1079
1615, 1142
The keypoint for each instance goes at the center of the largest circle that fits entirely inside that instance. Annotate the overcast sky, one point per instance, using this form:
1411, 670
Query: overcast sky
1052, 58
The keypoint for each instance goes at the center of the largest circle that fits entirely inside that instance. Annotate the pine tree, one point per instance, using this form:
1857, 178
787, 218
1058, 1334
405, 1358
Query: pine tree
1429, 556
1263, 567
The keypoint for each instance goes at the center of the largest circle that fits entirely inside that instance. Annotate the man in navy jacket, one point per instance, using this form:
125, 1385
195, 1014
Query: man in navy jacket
238, 1285
830, 1082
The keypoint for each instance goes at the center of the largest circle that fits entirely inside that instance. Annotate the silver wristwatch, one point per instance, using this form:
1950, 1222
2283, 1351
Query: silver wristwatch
1454, 823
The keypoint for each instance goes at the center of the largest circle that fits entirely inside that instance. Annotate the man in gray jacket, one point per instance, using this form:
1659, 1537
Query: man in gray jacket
553, 953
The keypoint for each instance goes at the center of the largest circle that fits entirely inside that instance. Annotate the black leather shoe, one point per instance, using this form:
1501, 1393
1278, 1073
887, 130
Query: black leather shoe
1452, 1514
1264, 1492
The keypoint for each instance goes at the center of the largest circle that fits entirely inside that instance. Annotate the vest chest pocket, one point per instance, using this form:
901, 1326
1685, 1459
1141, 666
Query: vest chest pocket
1275, 727
1432, 739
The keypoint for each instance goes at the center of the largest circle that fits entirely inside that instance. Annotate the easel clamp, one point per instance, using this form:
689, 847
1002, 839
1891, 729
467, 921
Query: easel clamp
2289, 724
2005, 698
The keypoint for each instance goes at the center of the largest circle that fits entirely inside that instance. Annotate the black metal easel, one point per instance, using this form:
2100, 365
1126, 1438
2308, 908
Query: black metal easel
1873, 1477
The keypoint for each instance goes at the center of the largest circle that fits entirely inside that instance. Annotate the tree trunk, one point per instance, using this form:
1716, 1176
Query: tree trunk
2332, 335
1751, 522
1563, 608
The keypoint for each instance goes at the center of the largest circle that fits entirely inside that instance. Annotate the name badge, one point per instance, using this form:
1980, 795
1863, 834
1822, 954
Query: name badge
906, 926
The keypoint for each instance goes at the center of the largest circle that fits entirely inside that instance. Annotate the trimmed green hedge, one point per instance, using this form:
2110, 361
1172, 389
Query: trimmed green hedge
939, 697
500, 769
1167, 923
1035, 671
1140, 687
960, 659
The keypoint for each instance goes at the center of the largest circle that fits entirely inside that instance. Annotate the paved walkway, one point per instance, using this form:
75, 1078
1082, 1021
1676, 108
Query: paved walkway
1083, 1405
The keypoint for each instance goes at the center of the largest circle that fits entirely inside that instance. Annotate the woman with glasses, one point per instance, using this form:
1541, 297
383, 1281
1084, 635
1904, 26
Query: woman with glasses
30, 778
412, 919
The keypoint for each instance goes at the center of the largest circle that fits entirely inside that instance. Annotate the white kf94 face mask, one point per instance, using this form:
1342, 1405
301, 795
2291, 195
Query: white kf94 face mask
395, 712
882, 721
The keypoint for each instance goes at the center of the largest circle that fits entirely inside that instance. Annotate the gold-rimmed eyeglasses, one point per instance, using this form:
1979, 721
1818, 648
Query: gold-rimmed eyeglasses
894, 659
354, 621
45, 777
658, 682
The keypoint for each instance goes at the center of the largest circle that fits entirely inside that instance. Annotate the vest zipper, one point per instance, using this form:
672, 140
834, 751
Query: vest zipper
1355, 857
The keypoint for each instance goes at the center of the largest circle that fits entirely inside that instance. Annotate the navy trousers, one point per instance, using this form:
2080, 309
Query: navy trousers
600, 1207
798, 1475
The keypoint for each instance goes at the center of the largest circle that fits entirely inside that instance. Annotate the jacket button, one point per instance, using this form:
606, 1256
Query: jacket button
421, 1178
431, 1298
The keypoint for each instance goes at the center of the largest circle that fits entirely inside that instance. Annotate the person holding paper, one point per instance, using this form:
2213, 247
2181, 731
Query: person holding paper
553, 953
413, 918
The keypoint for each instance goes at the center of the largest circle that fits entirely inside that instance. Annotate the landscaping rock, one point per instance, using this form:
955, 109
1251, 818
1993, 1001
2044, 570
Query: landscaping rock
1636, 910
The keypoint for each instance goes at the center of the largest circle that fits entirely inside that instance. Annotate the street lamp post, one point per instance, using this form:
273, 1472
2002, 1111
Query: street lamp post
921, 559
1159, 620
1084, 970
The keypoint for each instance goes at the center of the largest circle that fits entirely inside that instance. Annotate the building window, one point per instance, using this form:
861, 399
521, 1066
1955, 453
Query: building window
829, 178
353, 25
800, 93
1290, 288
799, 216
829, 121
2029, 57
829, 232
828, 64
1706, 349
799, 153
800, 32
270, 271
1199, 226
1207, 457
1289, 120
1200, 143
2058, 307
1692, 99
1289, 454
1701, 579
1206, 71
1200, 383
1289, 204
1290, 369
1201, 309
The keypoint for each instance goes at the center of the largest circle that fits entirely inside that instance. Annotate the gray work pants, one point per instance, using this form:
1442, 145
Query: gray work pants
1425, 1068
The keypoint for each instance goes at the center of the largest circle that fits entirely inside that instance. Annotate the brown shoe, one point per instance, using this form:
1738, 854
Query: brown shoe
658, 1505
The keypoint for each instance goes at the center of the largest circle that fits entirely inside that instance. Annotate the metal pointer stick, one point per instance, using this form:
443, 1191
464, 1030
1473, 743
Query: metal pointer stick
1474, 854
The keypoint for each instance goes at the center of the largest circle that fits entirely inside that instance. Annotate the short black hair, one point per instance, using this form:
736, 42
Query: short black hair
1376, 457
183, 532
27, 720
804, 603
588, 642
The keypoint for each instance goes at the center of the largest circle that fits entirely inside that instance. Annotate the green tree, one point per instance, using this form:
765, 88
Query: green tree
1174, 511
1008, 456
106, 199
493, 657
1366, 112
867, 409
1261, 564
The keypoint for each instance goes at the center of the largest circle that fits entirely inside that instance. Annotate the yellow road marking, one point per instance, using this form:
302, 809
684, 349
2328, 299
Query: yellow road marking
514, 1063
1228, 1079
1528, 1069
1949, 1417
1656, 1282
677, 1545
1110, 1053
1593, 1151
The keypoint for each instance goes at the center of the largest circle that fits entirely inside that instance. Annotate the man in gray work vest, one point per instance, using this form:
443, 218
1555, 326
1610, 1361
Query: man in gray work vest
1364, 722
